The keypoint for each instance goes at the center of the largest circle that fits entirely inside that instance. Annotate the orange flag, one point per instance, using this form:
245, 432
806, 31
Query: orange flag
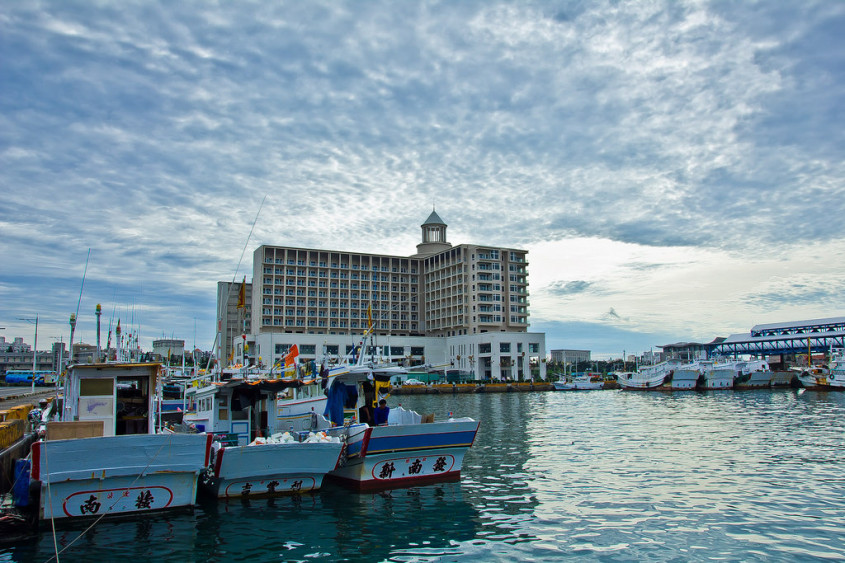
291, 355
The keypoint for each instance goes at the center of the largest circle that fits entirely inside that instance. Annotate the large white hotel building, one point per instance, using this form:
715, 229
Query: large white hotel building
464, 306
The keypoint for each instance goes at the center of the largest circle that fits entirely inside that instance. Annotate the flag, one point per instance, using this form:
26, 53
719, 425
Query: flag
382, 391
291, 355
242, 295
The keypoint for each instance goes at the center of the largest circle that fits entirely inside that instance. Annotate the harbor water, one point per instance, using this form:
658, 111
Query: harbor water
592, 475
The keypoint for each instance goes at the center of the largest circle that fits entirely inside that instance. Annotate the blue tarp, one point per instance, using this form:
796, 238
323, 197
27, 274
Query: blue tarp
20, 492
340, 395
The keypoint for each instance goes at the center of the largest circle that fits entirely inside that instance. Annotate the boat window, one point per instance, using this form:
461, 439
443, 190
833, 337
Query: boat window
96, 387
132, 406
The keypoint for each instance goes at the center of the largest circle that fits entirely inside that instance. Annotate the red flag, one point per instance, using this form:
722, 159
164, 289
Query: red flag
291, 355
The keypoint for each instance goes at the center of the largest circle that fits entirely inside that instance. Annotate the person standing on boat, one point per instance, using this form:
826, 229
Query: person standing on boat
381, 413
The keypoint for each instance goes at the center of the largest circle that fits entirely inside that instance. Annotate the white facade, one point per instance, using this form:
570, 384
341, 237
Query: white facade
165, 347
499, 355
491, 355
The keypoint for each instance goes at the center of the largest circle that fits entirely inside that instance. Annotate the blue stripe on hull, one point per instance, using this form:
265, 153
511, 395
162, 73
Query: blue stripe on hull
420, 442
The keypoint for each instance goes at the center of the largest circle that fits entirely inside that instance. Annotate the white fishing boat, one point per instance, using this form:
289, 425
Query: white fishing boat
836, 369
752, 374
814, 377
104, 458
717, 374
252, 455
579, 382
664, 376
409, 450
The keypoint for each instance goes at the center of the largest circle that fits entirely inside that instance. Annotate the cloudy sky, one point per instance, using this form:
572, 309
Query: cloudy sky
675, 169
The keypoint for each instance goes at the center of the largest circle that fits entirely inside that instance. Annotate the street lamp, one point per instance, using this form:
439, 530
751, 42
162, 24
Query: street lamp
34, 347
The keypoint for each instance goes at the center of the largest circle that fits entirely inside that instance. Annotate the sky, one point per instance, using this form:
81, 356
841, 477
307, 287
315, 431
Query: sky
675, 169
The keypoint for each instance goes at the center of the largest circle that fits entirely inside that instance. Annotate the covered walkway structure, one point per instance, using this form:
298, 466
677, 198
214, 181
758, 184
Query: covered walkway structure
820, 335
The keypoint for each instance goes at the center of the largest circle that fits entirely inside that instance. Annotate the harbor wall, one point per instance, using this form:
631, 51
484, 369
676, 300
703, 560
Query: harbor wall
455, 388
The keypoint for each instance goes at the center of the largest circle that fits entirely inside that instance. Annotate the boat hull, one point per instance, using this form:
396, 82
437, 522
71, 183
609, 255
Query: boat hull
384, 457
578, 385
753, 380
117, 475
715, 379
821, 381
271, 469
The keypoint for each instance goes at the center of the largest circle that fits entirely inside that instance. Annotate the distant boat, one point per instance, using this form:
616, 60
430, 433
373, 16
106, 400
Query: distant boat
752, 374
665, 376
836, 368
580, 382
814, 377
715, 375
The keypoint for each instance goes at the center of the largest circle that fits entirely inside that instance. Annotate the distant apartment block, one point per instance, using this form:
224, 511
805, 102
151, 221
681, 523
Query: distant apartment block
570, 356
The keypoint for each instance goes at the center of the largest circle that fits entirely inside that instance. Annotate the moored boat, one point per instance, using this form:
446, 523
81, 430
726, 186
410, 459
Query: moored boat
752, 374
836, 369
104, 458
716, 375
252, 456
664, 376
410, 449
579, 382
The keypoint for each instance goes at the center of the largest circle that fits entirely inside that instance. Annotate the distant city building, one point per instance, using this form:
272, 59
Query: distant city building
570, 356
685, 351
166, 348
18, 355
84, 353
443, 302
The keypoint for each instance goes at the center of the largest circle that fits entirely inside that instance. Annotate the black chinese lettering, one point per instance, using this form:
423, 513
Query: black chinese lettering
90, 506
144, 500
387, 471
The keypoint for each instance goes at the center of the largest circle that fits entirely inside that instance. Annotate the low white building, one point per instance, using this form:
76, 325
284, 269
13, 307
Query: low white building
490, 355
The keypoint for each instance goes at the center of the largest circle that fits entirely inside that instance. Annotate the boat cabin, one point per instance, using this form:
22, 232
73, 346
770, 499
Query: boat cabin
120, 397
242, 409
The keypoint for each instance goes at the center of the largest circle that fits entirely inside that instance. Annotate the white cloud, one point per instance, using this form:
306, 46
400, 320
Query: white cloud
669, 161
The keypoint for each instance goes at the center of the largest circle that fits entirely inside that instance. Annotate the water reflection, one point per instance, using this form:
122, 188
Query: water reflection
335, 524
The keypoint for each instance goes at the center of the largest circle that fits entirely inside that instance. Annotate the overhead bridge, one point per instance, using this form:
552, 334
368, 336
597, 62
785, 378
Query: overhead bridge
797, 337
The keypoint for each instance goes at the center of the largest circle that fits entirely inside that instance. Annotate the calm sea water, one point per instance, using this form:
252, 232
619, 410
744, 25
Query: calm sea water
594, 475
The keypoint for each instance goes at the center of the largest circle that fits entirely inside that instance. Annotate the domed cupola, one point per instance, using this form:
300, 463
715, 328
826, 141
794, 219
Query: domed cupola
433, 236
